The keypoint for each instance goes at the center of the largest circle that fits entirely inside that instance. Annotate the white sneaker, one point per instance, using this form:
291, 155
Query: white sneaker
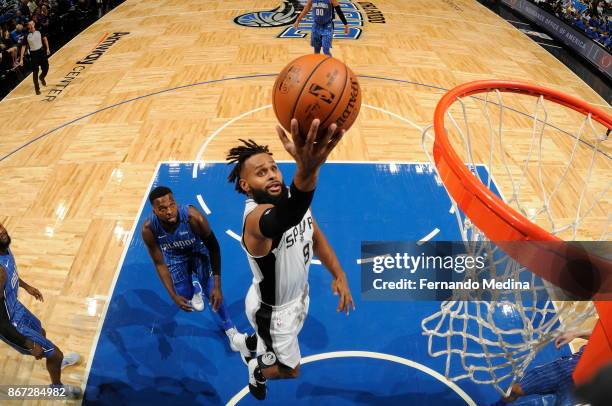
237, 343
70, 359
197, 301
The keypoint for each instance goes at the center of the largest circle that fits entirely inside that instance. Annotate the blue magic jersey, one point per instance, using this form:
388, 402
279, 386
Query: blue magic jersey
11, 286
322, 11
179, 246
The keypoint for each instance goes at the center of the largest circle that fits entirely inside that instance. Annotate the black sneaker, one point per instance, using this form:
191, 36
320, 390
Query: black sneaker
257, 382
37, 91
42, 80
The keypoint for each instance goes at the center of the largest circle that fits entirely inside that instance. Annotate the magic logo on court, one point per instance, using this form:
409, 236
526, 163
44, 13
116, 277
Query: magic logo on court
286, 14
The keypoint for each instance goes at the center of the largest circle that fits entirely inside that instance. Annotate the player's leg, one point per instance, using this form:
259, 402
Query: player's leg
315, 38
30, 326
327, 35
197, 298
278, 341
237, 340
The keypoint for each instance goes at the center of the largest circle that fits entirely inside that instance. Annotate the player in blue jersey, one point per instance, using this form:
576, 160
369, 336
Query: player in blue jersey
554, 378
323, 23
187, 258
20, 329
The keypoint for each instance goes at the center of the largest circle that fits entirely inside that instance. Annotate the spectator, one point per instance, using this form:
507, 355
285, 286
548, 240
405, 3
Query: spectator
17, 34
43, 18
20, 18
590, 16
9, 48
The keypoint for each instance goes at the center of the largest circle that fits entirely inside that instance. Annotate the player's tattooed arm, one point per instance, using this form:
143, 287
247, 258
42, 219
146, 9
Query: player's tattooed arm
161, 267
324, 251
200, 226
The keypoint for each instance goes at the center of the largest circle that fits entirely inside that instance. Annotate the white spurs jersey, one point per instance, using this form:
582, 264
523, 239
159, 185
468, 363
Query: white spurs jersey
282, 275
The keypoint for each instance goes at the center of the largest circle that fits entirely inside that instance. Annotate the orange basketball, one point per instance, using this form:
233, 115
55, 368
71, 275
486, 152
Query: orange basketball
316, 86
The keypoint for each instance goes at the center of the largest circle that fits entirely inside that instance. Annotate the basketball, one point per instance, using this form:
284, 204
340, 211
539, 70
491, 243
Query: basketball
316, 86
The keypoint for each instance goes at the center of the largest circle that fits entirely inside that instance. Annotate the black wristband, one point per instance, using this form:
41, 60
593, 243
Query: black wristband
280, 218
214, 252
341, 14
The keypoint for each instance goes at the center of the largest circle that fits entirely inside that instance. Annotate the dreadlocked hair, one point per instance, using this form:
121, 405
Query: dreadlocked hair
238, 155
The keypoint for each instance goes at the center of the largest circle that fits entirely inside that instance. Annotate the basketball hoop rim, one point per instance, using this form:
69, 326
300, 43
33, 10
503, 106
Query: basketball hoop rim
453, 169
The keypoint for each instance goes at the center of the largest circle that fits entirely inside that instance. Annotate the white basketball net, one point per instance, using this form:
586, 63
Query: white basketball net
493, 342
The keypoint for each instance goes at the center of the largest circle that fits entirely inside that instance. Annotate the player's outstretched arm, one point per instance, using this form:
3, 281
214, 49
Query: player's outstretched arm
305, 11
199, 225
267, 222
161, 267
7, 330
338, 9
308, 152
324, 251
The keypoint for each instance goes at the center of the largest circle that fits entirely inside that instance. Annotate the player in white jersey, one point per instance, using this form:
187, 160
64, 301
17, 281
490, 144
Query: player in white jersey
280, 237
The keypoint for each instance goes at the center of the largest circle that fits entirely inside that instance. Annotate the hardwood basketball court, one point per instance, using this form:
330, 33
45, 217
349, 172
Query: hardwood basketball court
182, 83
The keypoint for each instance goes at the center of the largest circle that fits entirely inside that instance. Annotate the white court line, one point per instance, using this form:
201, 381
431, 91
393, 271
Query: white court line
418, 127
452, 210
194, 173
316, 262
115, 278
233, 235
203, 204
429, 236
375, 355
198, 159
371, 259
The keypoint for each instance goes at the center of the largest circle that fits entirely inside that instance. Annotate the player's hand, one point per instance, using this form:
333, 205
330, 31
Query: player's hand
296, 24
35, 292
216, 297
564, 339
340, 288
346, 29
20, 63
308, 154
48, 52
35, 349
182, 303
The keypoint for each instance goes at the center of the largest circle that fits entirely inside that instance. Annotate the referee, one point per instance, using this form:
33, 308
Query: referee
38, 45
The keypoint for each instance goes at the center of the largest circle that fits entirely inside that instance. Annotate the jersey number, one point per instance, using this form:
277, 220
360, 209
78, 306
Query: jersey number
306, 253
319, 11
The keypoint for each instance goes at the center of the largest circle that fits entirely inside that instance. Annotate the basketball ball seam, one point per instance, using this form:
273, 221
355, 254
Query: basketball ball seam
297, 101
346, 79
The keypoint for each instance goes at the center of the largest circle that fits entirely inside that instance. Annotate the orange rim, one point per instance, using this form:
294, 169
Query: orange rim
454, 171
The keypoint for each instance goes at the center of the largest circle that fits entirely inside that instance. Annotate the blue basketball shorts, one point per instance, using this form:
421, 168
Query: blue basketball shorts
321, 35
29, 326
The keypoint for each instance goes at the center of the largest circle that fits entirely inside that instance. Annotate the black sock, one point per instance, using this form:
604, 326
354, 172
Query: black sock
251, 342
259, 377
